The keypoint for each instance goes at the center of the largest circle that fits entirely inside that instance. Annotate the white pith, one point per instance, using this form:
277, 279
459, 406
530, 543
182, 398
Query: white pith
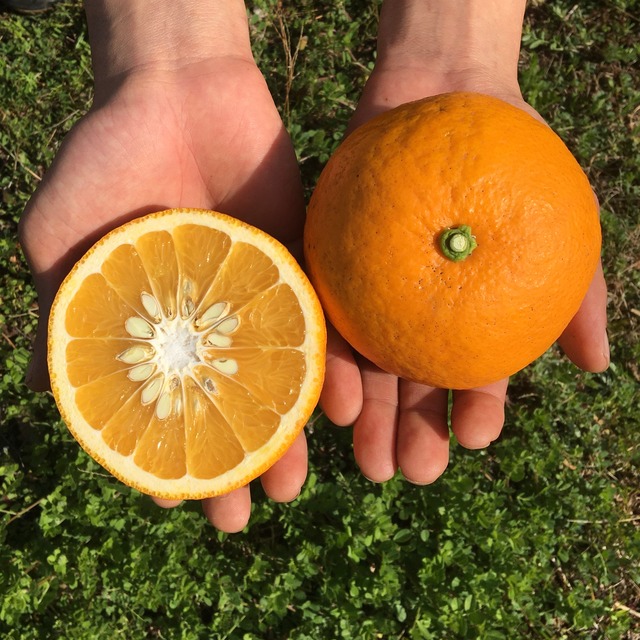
173, 344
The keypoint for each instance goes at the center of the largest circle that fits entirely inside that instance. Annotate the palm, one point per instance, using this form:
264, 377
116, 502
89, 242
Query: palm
402, 424
212, 139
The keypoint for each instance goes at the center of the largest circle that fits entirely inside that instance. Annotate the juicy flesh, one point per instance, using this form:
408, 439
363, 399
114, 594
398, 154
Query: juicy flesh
182, 356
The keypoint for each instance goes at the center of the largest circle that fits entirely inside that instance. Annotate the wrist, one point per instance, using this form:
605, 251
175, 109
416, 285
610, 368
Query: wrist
162, 37
458, 43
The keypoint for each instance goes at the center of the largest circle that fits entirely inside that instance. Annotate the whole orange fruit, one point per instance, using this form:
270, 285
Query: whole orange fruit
451, 240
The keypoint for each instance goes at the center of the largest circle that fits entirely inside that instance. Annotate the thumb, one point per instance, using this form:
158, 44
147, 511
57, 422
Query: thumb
585, 341
37, 376
48, 272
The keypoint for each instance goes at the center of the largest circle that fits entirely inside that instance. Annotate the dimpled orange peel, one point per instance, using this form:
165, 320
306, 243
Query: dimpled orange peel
451, 240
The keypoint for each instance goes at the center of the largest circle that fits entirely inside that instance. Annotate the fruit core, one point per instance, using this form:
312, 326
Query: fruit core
171, 345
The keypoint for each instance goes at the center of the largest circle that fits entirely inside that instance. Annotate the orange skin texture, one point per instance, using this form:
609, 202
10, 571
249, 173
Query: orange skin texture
394, 185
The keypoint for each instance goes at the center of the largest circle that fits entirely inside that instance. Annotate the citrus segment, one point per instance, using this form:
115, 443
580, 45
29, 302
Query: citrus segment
161, 448
97, 311
121, 270
200, 253
271, 319
97, 400
245, 274
123, 429
212, 446
158, 257
97, 358
186, 352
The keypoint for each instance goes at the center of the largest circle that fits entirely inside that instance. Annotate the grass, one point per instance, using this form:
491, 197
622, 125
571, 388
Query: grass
536, 537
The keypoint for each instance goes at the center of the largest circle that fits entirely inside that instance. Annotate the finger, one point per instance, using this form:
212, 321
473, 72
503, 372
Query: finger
230, 512
283, 481
585, 340
296, 249
37, 376
423, 433
477, 415
341, 397
166, 504
46, 283
374, 431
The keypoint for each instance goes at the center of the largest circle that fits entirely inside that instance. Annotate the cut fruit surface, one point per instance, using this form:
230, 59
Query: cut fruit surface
186, 352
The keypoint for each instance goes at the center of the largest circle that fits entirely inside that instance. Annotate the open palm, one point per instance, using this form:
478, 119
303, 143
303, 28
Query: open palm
403, 425
208, 137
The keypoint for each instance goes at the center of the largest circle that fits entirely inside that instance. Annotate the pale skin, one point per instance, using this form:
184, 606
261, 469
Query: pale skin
427, 47
182, 117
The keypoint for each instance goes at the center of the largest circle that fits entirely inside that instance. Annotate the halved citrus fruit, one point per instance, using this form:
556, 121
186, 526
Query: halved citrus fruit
186, 352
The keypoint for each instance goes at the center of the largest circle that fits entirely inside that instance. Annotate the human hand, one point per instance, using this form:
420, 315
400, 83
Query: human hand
428, 48
170, 127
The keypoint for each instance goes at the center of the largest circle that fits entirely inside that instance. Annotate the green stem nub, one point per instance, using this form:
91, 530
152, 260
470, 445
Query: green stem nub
457, 242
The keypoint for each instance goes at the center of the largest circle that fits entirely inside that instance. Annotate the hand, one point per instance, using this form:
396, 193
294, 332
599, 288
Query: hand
397, 423
197, 133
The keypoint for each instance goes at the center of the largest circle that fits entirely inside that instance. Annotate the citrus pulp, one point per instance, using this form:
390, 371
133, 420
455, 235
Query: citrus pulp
186, 352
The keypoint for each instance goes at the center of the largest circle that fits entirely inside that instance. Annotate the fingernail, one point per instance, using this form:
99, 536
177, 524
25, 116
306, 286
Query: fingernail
418, 483
606, 351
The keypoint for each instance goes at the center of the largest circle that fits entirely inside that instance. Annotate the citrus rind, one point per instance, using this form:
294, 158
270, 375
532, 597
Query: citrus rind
292, 421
